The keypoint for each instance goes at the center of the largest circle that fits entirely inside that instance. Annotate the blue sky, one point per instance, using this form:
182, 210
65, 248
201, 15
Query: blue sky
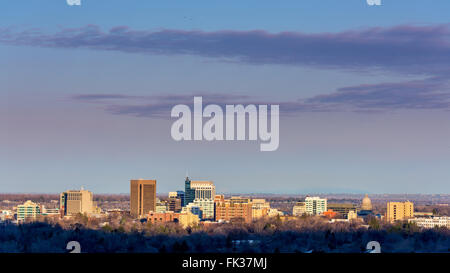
363, 92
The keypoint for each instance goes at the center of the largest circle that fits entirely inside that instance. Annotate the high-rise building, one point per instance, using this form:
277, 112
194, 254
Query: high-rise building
174, 202
204, 189
236, 208
315, 205
180, 194
77, 201
189, 192
399, 211
28, 211
196, 189
142, 197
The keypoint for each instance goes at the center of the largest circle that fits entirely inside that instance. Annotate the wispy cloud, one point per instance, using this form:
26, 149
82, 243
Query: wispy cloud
421, 50
407, 48
431, 93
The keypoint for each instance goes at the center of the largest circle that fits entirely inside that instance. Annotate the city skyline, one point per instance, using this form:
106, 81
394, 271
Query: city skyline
85, 95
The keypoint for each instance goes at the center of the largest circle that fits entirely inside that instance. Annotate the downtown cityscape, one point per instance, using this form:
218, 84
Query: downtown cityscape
199, 209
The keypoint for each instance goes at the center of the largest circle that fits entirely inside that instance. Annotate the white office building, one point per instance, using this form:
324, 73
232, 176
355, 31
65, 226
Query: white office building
315, 205
431, 222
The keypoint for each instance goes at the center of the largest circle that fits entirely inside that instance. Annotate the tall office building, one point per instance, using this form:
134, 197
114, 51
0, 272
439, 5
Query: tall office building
174, 202
399, 211
198, 190
180, 194
204, 189
142, 197
77, 201
189, 192
315, 205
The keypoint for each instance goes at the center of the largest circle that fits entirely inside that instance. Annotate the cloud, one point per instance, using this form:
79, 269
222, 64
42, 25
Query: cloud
406, 48
158, 105
430, 93
409, 49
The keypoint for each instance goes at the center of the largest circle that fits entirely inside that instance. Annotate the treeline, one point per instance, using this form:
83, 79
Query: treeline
264, 236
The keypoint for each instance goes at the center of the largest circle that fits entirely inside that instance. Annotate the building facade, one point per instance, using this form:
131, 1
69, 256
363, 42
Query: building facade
180, 195
398, 211
28, 211
203, 189
299, 209
73, 202
234, 209
260, 208
315, 205
184, 219
207, 206
431, 222
189, 192
342, 209
142, 197
174, 202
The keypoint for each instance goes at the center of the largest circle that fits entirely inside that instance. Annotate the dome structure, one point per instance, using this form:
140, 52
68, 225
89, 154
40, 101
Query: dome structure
366, 203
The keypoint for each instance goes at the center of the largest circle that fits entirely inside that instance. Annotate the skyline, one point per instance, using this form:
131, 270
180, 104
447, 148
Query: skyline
86, 94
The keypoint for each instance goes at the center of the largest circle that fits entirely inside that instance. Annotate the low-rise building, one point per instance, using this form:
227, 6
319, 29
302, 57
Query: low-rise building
342, 209
329, 214
274, 213
260, 208
161, 206
352, 215
184, 219
431, 222
299, 209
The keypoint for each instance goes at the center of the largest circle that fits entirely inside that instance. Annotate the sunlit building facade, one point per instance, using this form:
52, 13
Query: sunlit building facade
398, 211
28, 211
142, 197
315, 205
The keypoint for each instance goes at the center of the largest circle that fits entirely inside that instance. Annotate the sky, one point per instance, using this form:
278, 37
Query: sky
364, 94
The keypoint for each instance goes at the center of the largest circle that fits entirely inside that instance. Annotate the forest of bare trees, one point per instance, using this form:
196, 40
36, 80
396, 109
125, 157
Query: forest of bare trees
262, 236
